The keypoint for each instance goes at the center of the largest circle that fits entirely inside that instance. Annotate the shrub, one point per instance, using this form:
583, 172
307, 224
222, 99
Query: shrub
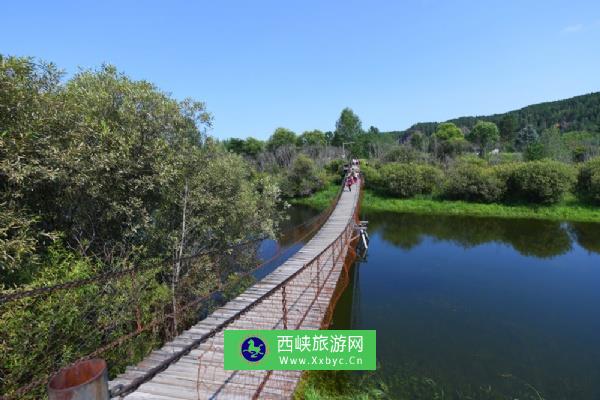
302, 178
588, 181
407, 180
543, 181
404, 154
472, 182
372, 177
471, 159
504, 173
534, 151
335, 166
504, 158
431, 177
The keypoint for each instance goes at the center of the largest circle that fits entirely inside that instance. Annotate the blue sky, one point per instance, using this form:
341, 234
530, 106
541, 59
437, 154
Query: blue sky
263, 64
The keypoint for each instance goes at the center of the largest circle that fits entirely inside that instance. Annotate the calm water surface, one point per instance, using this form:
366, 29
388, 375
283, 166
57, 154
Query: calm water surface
295, 231
474, 308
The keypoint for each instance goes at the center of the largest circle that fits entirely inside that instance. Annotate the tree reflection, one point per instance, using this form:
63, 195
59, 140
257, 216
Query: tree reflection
587, 235
537, 238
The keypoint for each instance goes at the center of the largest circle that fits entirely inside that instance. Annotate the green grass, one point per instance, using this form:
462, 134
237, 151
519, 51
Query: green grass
339, 385
319, 200
568, 210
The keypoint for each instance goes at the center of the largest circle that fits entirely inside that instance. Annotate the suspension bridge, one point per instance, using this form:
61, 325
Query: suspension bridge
299, 294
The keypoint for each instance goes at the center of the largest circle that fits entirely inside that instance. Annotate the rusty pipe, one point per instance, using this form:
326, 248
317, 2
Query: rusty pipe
85, 380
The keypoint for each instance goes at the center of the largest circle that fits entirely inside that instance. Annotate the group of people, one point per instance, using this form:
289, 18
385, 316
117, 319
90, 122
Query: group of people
352, 176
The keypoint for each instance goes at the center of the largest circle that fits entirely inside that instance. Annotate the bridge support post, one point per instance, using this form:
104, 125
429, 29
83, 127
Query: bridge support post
333, 260
318, 275
284, 307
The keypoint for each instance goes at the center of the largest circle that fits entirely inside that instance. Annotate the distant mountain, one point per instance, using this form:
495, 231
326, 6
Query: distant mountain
574, 114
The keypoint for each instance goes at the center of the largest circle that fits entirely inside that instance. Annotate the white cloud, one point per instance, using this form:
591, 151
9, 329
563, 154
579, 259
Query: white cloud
572, 28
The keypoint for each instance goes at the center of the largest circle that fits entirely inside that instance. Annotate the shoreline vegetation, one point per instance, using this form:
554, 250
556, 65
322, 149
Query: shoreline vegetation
569, 209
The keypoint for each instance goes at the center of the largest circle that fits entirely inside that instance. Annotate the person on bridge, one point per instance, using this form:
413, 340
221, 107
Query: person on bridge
349, 182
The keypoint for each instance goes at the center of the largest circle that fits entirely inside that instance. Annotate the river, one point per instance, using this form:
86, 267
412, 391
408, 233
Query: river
478, 308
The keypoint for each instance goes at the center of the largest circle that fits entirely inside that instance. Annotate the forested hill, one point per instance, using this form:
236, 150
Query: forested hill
580, 113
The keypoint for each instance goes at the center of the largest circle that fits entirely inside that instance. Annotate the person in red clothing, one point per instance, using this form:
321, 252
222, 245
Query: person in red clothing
349, 182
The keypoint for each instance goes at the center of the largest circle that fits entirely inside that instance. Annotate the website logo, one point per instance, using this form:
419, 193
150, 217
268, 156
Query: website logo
253, 349
282, 349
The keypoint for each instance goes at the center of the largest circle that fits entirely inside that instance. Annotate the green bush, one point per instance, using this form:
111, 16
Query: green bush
408, 180
335, 166
303, 178
472, 182
40, 335
402, 154
471, 159
534, 151
504, 158
588, 181
543, 181
506, 170
372, 177
431, 177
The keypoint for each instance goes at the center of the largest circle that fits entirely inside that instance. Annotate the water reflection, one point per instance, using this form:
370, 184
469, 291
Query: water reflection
538, 238
294, 232
479, 308
587, 235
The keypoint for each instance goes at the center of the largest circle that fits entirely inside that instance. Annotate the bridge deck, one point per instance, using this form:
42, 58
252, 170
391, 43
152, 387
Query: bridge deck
200, 375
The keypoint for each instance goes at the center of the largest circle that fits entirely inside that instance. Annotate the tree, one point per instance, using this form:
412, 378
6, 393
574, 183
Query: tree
554, 146
28, 99
418, 141
582, 145
449, 140
234, 145
580, 113
484, 134
253, 147
312, 138
373, 130
329, 137
347, 127
448, 131
526, 136
507, 127
102, 173
219, 203
281, 137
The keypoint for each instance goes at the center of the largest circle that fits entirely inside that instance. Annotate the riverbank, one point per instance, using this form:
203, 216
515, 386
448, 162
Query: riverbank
569, 209
319, 200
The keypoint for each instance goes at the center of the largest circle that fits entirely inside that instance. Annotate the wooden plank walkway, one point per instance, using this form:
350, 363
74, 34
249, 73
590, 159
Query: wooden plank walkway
199, 374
